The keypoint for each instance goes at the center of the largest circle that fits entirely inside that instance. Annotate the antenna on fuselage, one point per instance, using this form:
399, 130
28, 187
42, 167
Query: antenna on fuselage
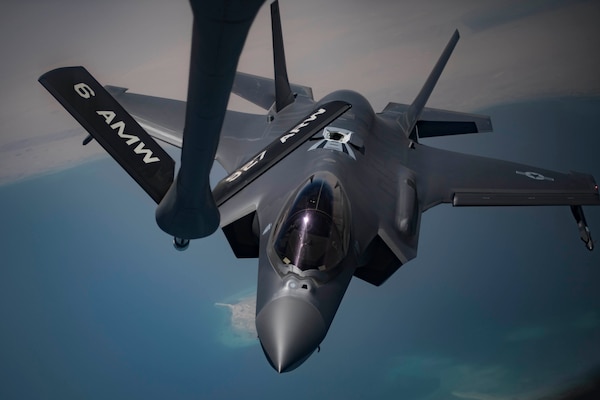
283, 92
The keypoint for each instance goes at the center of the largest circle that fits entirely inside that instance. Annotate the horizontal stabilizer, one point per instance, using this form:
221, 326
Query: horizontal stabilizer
261, 91
163, 119
435, 122
116, 131
278, 149
242, 134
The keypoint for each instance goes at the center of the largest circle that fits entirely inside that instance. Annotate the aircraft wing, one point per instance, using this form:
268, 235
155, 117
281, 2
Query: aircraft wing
164, 119
468, 180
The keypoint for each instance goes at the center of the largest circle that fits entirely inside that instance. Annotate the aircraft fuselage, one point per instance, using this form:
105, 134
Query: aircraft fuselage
310, 244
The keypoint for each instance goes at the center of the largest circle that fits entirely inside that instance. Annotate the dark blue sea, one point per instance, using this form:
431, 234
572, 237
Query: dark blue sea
95, 303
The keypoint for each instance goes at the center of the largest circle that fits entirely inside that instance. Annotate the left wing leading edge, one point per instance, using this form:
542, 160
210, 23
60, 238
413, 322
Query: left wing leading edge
164, 119
436, 122
468, 180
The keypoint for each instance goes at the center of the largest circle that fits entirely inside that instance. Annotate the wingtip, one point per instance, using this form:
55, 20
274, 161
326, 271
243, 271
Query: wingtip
455, 36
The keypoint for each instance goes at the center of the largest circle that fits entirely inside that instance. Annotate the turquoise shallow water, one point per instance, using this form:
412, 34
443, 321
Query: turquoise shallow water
238, 328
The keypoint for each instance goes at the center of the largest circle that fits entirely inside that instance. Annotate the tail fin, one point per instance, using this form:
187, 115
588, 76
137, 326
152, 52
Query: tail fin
283, 92
413, 113
108, 122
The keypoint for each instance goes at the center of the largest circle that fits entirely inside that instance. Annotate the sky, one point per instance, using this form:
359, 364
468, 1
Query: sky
508, 51
95, 302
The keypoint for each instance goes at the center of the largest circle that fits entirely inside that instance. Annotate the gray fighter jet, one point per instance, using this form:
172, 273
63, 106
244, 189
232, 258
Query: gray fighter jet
318, 191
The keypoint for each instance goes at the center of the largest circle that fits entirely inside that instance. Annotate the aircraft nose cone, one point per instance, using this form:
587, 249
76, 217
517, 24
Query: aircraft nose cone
289, 329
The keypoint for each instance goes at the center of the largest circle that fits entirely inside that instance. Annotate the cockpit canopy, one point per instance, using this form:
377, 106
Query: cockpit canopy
313, 232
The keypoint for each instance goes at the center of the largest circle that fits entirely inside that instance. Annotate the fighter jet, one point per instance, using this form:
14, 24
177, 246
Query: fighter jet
319, 191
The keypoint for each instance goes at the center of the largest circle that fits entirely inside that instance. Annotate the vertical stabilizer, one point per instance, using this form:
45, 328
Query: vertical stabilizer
283, 92
413, 113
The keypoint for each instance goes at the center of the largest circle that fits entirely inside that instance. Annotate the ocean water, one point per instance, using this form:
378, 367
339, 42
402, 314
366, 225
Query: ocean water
95, 302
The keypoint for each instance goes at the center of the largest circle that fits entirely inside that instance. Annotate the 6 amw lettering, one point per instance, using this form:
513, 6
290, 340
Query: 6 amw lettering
84, 91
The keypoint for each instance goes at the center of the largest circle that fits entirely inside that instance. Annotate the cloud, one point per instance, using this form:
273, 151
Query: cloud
530, 332
510, 11
580, 323
588, 320
434, 377
586, 386
32, 156
482, 396
451, 376
467, 377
